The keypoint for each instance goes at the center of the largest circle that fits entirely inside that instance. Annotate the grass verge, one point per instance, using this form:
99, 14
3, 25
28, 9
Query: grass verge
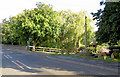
46, 52
108, 59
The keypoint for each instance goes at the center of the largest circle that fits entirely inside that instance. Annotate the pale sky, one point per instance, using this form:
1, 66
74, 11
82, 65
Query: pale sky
13, 7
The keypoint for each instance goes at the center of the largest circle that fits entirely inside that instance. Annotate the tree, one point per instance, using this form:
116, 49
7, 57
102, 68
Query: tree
41, 24
47, 28
73, 30
7, 35
108, 21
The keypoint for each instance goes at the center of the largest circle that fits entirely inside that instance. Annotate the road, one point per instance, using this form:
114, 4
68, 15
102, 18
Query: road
21, 62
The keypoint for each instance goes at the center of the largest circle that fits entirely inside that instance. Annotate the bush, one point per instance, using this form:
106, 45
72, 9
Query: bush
100, 48
91, 49
114, 47
81, 48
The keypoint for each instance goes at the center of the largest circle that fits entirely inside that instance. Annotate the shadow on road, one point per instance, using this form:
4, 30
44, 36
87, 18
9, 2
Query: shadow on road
40, 63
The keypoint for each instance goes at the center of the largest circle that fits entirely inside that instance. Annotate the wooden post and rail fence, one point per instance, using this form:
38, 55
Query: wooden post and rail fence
56, 50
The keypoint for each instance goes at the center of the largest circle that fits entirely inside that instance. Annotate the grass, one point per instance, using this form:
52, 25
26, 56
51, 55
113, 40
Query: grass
108, 59
62, 54
45, 52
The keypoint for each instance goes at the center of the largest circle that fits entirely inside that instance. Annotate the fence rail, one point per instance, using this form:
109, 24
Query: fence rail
47, 49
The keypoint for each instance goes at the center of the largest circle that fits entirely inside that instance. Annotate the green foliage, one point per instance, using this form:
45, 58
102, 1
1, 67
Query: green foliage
91, 49
114, 47
73, 30
48, 28
108, 21
118, 42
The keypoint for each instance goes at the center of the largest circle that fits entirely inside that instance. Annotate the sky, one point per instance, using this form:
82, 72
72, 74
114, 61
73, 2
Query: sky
10, 8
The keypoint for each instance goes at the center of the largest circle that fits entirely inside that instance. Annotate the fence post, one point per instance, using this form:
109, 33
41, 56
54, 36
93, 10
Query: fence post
112, 55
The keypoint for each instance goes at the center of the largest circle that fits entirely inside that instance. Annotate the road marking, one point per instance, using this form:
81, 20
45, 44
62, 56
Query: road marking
9, 56
6, 56
23, 64
18, 65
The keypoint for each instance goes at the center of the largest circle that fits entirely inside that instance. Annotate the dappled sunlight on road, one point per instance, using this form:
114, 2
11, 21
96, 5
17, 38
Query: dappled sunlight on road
39, 71
22, 62
58, 71
11, 71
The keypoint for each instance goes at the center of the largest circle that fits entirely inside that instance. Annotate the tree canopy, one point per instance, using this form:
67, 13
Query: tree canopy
108, 21
47, 28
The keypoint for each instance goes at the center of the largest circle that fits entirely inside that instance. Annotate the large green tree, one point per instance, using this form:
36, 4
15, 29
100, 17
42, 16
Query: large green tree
47, 28
41, 24
108, 21
73, 30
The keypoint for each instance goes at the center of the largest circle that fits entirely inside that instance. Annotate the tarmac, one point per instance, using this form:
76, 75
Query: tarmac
112, 66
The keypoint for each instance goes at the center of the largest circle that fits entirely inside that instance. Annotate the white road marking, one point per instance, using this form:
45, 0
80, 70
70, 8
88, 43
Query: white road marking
18, 65
16, 62
23, 64
6, 56
9, 56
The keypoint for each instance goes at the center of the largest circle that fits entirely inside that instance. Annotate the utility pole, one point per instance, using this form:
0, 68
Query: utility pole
85, 32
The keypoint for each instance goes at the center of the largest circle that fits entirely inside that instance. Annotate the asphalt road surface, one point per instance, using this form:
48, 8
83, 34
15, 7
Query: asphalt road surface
16, 61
